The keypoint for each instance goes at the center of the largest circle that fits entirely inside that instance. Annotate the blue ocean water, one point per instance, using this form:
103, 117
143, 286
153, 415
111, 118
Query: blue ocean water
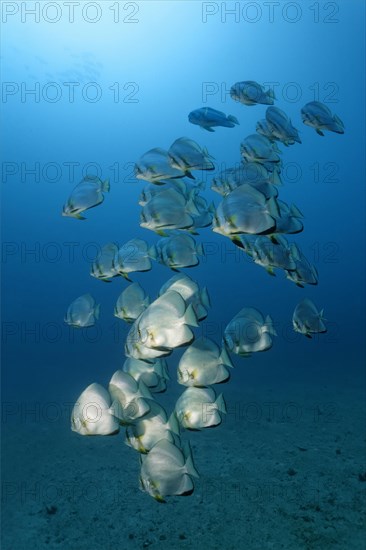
88, 87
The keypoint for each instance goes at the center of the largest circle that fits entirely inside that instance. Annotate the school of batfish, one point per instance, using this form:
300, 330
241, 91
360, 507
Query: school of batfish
252, 216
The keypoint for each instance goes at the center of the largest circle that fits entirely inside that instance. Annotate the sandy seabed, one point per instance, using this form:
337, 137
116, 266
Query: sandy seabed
285, 470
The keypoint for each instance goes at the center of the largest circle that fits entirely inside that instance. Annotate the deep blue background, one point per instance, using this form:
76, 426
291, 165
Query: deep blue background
169, 55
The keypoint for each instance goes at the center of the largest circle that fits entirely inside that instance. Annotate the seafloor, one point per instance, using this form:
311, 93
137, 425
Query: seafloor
284, 471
